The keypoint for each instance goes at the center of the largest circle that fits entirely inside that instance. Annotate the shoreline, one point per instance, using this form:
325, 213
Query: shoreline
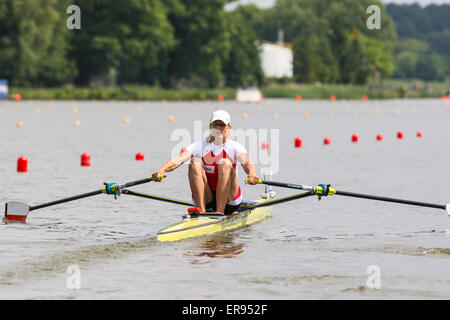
288, 91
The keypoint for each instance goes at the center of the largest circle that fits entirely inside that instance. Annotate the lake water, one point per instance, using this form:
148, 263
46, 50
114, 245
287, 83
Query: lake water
308, 249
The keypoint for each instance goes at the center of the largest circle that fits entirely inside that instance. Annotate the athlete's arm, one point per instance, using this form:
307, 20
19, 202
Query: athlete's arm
171, 164
249, 169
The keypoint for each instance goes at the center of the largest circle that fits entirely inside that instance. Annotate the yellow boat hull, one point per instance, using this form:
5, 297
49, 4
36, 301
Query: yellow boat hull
210, 224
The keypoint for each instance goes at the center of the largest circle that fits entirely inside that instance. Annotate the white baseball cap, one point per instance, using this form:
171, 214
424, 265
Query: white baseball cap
221, 115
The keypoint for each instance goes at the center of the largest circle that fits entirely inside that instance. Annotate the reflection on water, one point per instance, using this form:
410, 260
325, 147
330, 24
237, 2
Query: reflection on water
216, 246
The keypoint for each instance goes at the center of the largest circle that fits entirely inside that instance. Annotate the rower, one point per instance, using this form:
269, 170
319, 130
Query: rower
213, 171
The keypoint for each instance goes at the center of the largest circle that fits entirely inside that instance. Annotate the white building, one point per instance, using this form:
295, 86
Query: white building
277, 60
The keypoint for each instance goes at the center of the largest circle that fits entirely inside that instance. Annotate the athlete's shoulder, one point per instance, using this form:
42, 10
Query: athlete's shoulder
197, 147
233, 144
201, 143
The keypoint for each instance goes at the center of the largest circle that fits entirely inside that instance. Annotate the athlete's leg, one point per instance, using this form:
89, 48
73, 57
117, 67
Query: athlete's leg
201, 192
227, 184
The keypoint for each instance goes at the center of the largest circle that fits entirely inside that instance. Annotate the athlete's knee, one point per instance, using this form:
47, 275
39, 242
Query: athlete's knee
196, 165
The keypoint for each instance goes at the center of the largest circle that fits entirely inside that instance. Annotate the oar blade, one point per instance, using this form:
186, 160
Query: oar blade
447, 208
16, 212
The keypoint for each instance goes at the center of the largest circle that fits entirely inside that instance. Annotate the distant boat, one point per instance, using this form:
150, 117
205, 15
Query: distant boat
249, 95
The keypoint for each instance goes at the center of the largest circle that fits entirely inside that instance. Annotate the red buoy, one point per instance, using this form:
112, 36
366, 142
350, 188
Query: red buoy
220, 97
326, 140
400, 135
265, 145
17, 97
139, 156
333, 97
298, 142
355, 138
298, 97
379, 137
22, 164
85, 159
419, 134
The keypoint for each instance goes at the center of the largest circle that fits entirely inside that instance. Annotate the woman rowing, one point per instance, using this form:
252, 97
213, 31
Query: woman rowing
213, 175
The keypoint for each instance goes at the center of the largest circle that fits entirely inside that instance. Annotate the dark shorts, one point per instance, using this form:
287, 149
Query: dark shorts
229, 209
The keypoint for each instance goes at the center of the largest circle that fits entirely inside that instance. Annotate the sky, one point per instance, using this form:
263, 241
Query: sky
269, 3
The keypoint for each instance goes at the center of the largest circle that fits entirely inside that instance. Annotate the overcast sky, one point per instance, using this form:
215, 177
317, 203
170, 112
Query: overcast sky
269, 3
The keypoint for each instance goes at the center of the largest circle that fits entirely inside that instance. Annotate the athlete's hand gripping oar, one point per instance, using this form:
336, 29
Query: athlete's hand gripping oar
325, 190
18, 211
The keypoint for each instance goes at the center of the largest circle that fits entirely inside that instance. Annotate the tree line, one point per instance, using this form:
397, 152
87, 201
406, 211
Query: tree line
331, 40
156, 42
423, 49
192, 43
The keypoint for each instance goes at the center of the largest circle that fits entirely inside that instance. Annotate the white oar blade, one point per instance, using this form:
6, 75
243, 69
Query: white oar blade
447, 208
16, 212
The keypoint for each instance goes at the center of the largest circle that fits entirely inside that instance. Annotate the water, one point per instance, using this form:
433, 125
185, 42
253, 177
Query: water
308, 249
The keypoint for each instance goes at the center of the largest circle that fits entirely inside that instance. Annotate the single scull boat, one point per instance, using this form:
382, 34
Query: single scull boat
206, 224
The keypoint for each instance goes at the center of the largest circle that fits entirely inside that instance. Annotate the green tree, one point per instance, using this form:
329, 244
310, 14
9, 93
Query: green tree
427, 67
243, 64
133, 38
379, 63
313, 59
328, 25
201, 42
55, 67
406, 64
33, 43
366, 52
422, 31
412, 45
354, 67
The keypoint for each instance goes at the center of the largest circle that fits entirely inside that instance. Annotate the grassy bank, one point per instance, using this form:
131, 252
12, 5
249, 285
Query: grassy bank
391, 89
120, 93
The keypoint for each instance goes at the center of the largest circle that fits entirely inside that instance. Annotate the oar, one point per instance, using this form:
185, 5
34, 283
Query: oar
323, 190
18, 211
